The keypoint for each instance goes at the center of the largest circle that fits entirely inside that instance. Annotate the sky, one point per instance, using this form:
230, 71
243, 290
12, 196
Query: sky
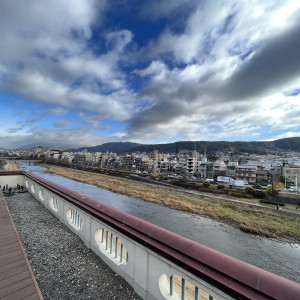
87, 72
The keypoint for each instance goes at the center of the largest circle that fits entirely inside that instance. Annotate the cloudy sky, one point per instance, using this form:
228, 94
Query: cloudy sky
86, 72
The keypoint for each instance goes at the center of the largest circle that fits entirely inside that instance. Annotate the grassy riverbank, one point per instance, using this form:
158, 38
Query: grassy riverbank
270, 223
10, 166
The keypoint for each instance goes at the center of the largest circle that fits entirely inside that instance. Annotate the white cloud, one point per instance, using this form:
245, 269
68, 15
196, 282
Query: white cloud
288, 134
62, 123
217, 69
231, 81
118, 40
45, 48
57, 111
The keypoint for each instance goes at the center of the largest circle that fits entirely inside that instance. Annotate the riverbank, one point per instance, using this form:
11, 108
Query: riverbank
10, 166
269, 223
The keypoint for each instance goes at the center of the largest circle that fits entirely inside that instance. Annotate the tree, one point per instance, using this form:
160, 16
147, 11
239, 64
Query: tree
273, 189
212, 157
282, 179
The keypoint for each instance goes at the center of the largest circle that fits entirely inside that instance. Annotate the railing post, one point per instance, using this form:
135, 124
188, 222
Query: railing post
111, 242
171, 285
196, 293
106, 242
182, 289
102, 237
121, 255
116, 247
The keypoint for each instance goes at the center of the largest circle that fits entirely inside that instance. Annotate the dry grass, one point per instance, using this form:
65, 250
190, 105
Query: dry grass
11, 166
270, 223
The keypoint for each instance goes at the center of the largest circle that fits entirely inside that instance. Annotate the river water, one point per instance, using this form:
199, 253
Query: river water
278, 257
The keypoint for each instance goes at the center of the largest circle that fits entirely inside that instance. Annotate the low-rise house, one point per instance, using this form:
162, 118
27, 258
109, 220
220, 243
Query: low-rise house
53, 154
231, 169
275, 172
292, 173
206, 169
127, 162
180, 169
246, 173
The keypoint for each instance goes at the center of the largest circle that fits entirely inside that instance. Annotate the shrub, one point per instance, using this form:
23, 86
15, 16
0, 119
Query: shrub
259, 194
272, 202
250, 190
235, 194
219, 191
206, 184
271, 191
203, 189
221, 186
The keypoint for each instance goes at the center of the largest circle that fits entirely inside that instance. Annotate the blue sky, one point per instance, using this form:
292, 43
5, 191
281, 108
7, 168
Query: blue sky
86, 72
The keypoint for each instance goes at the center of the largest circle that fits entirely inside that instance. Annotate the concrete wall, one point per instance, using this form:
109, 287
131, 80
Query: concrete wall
12, 181
283, 199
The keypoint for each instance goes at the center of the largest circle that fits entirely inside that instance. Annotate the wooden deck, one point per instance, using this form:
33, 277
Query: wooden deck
16, 278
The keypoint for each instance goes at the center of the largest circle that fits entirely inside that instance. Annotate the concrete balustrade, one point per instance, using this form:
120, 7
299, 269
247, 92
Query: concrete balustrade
111, 245
12, 178
42, 194
157, 263
74, 218
32, 188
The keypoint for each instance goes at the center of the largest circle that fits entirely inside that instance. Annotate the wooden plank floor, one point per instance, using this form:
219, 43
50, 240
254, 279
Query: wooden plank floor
16, 278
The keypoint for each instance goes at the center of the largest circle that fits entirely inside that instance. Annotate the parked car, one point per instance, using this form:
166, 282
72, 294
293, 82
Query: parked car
209, 180
257, 186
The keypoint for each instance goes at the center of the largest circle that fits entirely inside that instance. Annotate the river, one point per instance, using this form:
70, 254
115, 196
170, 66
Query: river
278, 257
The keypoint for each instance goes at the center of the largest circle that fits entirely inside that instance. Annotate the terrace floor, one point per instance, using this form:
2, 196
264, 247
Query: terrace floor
16, 278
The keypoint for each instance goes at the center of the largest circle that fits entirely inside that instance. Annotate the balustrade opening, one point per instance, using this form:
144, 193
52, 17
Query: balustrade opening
74, 218
177, 288
54, 204
42, 194
111, 245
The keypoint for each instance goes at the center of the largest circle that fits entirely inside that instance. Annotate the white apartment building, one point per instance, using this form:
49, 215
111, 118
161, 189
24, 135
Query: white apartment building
292, 173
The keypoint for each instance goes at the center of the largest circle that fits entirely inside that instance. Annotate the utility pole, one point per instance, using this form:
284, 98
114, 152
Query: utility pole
285, 177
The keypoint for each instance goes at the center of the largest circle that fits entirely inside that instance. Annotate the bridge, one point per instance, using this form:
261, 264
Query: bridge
157, 263
20, 159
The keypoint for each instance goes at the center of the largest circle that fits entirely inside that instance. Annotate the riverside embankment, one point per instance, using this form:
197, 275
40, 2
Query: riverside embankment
269, 223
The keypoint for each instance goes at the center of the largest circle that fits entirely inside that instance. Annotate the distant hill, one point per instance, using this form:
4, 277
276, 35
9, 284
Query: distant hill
292, 144
287, 144
46, 145
211, 147
118, 147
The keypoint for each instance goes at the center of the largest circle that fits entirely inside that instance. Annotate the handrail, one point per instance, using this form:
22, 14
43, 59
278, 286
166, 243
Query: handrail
11, 172
234, 277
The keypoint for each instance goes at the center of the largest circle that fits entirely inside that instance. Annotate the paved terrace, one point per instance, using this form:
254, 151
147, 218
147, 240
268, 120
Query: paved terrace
64, 267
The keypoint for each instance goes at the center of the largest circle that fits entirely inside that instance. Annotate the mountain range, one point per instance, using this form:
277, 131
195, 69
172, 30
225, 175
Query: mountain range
264, 147
287, 144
